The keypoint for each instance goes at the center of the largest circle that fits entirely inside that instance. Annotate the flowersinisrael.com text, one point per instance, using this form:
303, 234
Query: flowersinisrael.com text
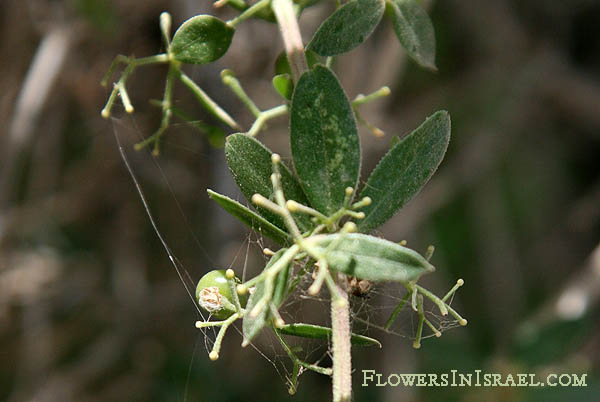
477, 378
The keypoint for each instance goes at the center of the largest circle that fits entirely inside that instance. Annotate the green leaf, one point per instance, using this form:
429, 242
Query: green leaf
319, 332
250, 164
414, 30
251, 326
284, 85
404, 170
371, 258
324, 139
250, 218
348, 27
282, 281
201, 39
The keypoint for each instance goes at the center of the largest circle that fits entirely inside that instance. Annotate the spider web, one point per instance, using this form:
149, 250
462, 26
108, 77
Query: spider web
369, 313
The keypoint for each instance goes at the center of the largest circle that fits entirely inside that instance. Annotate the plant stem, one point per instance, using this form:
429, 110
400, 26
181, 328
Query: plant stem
290, 32
342, 358
207, 102
264, 116
249, 12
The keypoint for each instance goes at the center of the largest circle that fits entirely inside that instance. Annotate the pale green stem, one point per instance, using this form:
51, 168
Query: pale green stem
321, 275
362, 99
232, 82
460, 319
236, 299
294, 380
292, 39
207, 102
119, 87
458, 284
396, 311
117, 60
264, 116
279, 197
249, 12
269, 278
429, 253
296, 360
438, 302
417, 341
341, 350
165, 29
234, 3
433, 328
214, 354
156, 59
294, 206
111, 100
209, 324
123, 90
166, 104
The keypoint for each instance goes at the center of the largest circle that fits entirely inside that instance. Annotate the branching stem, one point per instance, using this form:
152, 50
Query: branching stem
290, 32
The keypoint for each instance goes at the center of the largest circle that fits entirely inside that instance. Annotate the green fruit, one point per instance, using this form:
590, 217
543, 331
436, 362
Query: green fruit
214, 294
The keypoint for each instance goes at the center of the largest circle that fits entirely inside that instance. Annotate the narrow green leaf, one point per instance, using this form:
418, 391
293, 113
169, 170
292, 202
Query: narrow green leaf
414, 30
348, 27
405, 169
201, 39
250, 218
251, 326
281, 282
250, 164
371, 258
318, 332
324, 139
284, 85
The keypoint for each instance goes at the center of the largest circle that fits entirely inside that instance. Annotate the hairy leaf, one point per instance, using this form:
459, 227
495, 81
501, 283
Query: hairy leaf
371, 258
319, 332
250, 218
250, 164
405, 169
348, 27
201, 39
414, 30
324, 139
251, 326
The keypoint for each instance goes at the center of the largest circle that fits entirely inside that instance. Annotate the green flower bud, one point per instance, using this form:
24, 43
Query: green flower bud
214, 294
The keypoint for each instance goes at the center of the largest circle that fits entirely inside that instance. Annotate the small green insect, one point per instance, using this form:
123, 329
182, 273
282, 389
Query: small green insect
215, 293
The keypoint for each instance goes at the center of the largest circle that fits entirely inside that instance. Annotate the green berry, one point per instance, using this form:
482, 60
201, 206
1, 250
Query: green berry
214, 294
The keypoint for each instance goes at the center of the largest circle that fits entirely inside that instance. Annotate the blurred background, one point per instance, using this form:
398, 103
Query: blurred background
90, 308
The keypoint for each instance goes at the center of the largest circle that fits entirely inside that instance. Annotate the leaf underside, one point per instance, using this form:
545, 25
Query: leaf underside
414, 30
324, 139
404, 170
251, 326
348, 27
371, 258
318, 332
251, 219
250, 164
